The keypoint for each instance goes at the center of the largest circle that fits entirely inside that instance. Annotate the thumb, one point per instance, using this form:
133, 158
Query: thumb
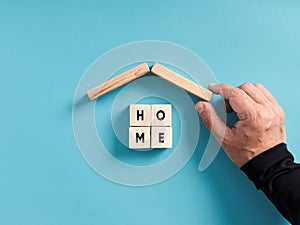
212, 121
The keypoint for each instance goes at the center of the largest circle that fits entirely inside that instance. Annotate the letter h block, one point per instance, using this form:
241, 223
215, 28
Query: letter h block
150, 126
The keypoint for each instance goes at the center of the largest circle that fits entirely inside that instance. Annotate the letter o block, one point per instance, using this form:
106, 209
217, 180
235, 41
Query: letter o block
161, 115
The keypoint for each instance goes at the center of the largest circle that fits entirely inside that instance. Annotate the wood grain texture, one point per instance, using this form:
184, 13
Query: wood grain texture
181, 82
118, 81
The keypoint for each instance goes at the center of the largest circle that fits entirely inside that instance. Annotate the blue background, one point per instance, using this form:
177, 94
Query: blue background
45, 47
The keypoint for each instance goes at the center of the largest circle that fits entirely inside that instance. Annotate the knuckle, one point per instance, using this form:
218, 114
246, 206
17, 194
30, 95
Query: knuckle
222, 86
236, 92
280, 114
206, 118
243, 116
259, 85
264, 116
207, 121
246, 85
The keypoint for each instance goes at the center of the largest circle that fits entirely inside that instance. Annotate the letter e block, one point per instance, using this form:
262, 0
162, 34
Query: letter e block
161, 115
139, 137
140, 115
161, 137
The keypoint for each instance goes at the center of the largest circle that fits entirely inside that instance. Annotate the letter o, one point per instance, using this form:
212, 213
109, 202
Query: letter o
160, 115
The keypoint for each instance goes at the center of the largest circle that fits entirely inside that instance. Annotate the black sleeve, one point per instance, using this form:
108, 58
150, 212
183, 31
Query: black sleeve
275, 173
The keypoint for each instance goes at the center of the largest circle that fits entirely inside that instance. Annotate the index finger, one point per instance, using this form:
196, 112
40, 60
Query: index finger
239, 101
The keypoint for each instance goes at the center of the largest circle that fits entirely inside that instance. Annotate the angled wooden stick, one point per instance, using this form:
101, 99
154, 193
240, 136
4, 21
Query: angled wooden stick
181, 82
118, 81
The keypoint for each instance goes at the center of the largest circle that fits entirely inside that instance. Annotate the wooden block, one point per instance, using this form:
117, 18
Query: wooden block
161, 137
181, 82
139, 137
118, 81
140, 115
161, 115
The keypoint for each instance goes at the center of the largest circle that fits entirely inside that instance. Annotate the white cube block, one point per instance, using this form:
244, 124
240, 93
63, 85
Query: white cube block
139, 137
161, 137
140, 115
161, 115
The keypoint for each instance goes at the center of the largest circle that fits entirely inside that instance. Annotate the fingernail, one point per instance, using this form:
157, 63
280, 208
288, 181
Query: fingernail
199, 108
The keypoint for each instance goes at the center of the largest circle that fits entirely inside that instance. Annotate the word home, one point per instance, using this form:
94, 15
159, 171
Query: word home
150, 126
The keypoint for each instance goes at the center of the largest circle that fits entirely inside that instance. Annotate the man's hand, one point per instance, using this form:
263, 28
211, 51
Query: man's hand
260, 126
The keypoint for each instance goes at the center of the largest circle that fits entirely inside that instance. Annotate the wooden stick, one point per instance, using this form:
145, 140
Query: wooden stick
181, 82
118, 81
